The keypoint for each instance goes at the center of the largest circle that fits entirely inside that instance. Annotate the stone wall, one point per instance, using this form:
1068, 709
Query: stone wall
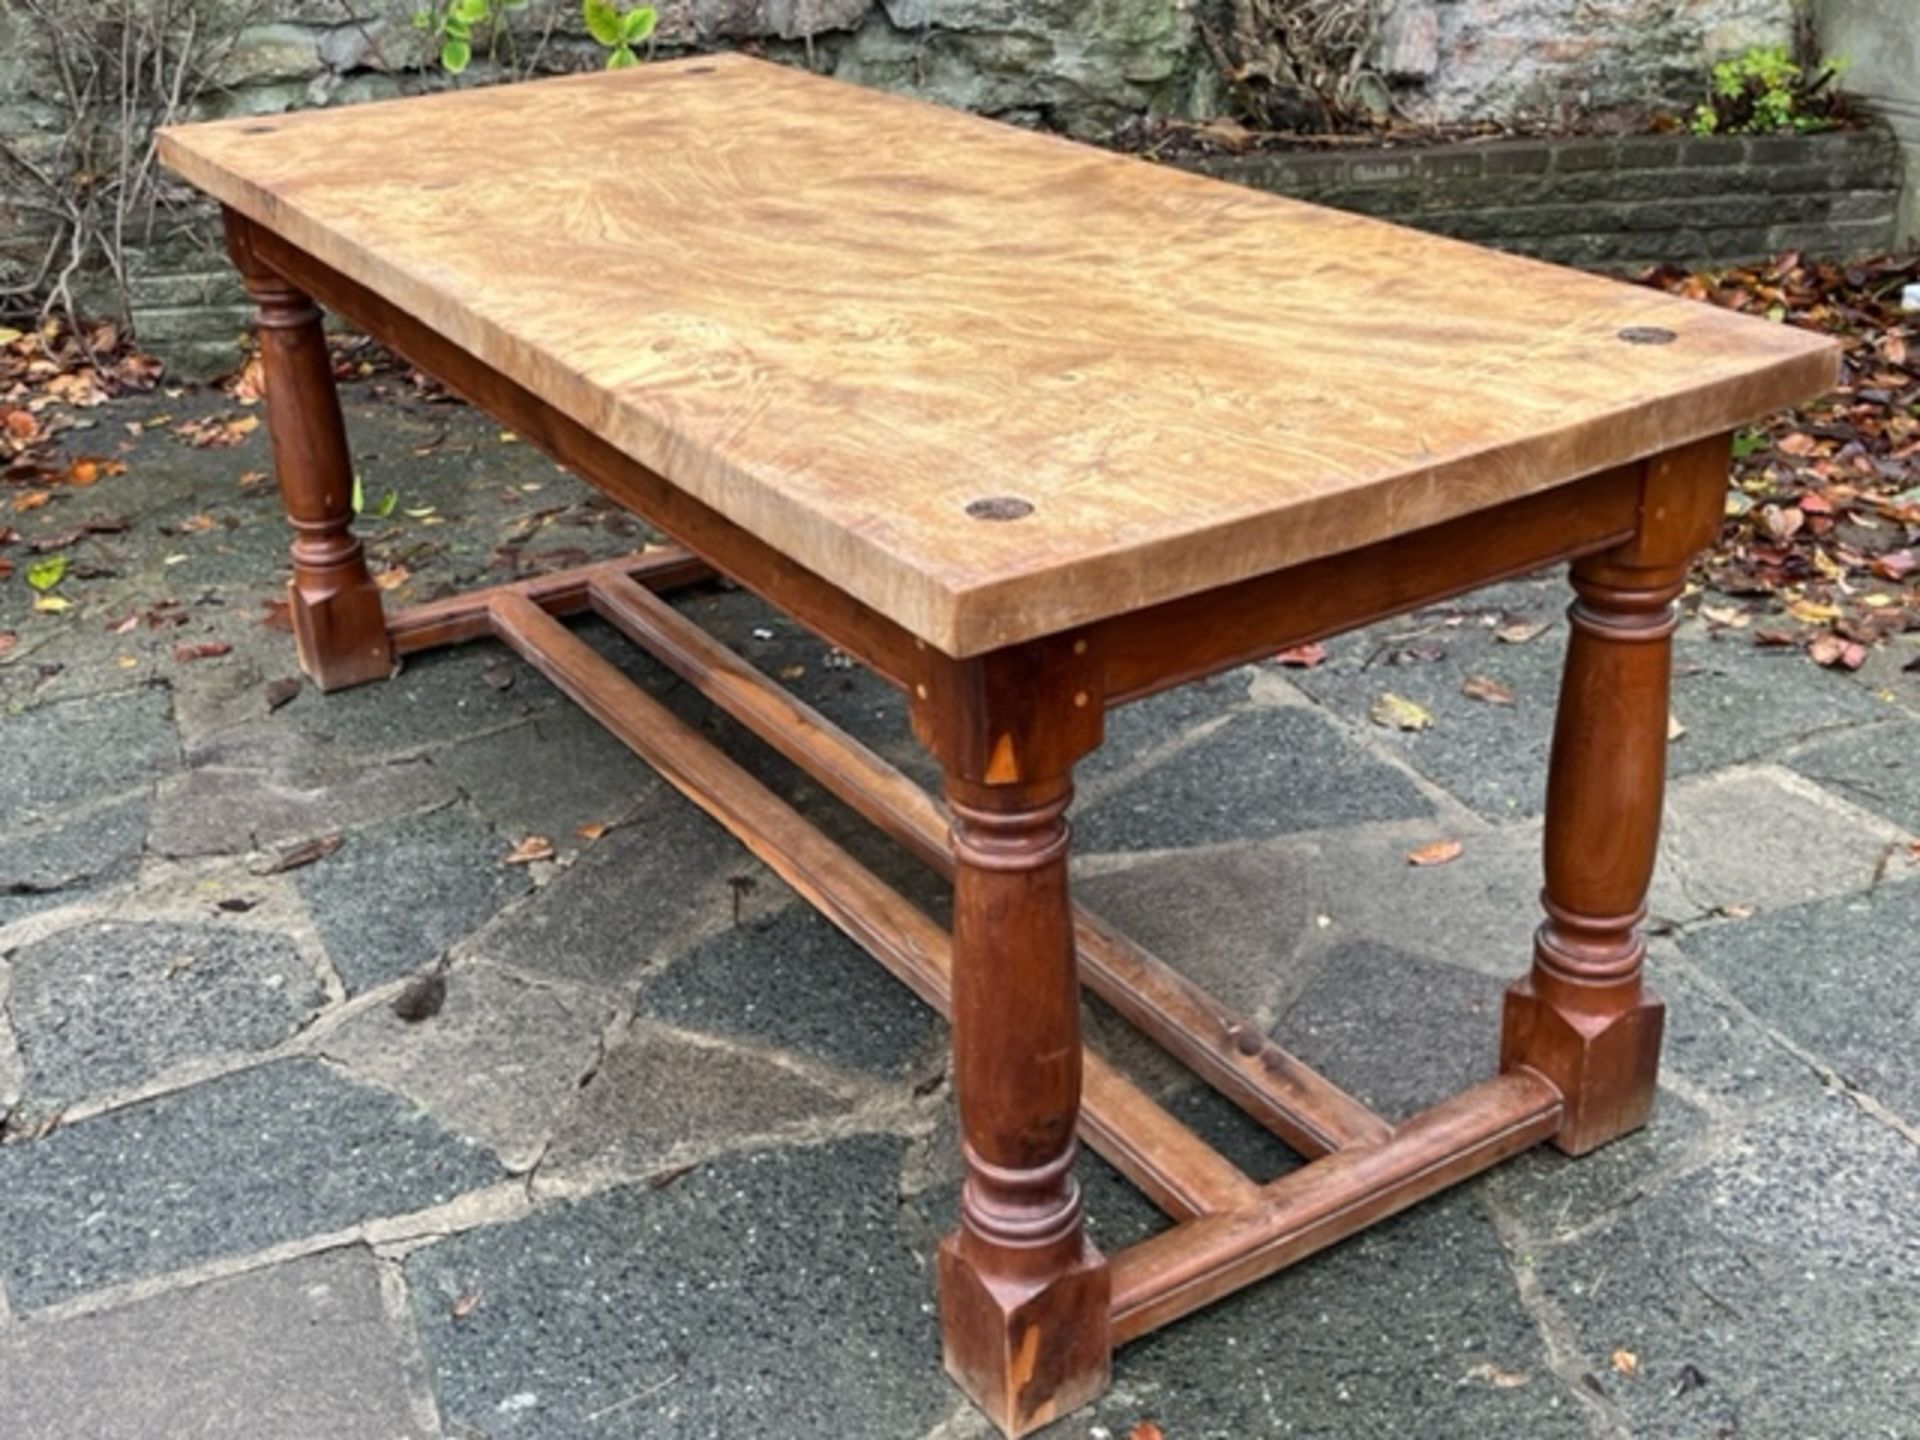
1615, 203
1881, 42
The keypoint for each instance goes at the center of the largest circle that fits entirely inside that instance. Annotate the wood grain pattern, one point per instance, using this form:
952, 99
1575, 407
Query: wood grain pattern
841, 318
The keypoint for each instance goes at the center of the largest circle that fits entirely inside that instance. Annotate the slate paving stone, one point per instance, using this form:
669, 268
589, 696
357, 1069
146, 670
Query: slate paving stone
1267, 772
231, 1166
1551, 1195
1493, 757
764, 1293
1774, 1292
628, 896
1796, 843
549, 777
1876, 767
438, 696
1414, 1327
230, 812
498, 1063
109, 1004
80, 854
290, 1352
1232, 922
59, 755
792, 980
659, 1096
1136, 729
1713, 1050
1840, 977
1400, 1032
395, 896
1742, 702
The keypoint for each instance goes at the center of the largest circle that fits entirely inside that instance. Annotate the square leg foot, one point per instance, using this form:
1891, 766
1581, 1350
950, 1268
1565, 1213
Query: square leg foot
1606, 1065
1026, 1352
341, 636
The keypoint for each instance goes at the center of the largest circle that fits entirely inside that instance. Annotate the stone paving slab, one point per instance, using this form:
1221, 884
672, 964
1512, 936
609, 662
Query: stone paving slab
1414, 1327
618, 908
227, 1167
87, 848
792, 980
59, 755
1775, 1291
660, 1096
1796, 842
226, 812
293, 1352
1291, 770
1876, 766
1840, 977
765, 1293
498, 1063
394, 897
107, 1004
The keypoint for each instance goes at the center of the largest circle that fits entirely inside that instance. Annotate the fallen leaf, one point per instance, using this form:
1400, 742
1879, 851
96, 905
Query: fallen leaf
201, 650
1439, 852
1396, 712
52, 604
791, 672
305, 853
277, 614
1831, 650
464, 1306
236, 904
1674, 728
498, 674
1812, 612
281, 691
1146, 1430
8, 639
1302, 657
1895, 565
31, 500
392, 578
1731, 617
197, 525
1518, 632
1485, 687
1498, 1378
43, 575
534, 847
591, 831
1624, 1362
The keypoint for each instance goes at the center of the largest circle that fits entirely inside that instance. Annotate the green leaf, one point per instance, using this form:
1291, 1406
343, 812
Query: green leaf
423, 19
385, 507
473, 12
358, 500
622, 58
639, 23
43, 575
603, 21
1748, 442
455, 56
457, 29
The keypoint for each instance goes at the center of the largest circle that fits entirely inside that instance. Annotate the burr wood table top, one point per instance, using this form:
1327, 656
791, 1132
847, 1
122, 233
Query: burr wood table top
990, 383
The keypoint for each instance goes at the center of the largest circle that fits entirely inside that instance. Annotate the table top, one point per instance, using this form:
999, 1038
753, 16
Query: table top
991, 383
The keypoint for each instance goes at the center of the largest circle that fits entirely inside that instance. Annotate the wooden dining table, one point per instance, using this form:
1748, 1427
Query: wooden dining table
1031, 430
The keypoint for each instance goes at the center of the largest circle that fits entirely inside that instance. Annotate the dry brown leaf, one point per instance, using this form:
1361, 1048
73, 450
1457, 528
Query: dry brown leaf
465, 1305
1498, 1378
1146, 1430
1624, 1362
1485, 687
1439, 852
201, 650
1518, 632
591, 831
534, 847
1302, 657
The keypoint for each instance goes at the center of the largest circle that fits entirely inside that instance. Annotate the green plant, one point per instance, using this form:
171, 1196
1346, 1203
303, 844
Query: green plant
1763, 91
455, 22
619, 30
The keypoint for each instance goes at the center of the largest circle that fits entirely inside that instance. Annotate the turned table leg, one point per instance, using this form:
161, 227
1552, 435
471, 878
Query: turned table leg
1023, 1295
1583, 1018
339, 627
